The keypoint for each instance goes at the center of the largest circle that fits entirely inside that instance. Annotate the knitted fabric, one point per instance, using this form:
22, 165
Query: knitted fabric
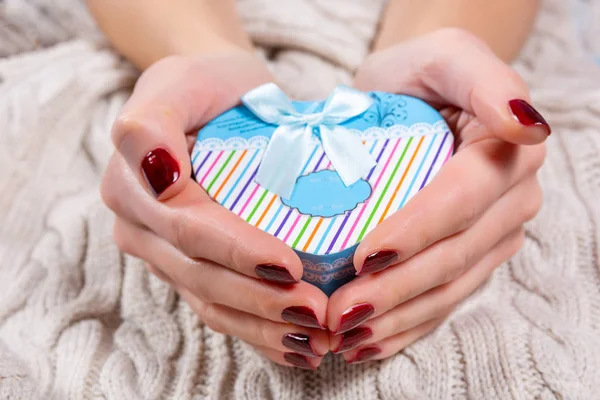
79, 320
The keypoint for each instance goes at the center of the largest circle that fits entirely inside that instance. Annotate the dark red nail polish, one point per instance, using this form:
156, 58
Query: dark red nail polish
275, 273
300, 343
378, 261
300, 315
353, 338
160, 169
354, 316
527, 115
365, 354
298, 360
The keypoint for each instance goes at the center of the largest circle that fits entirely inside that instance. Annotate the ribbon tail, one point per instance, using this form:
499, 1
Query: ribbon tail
283, 160
347, 154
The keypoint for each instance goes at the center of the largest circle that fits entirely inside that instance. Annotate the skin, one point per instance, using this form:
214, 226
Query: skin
450, 237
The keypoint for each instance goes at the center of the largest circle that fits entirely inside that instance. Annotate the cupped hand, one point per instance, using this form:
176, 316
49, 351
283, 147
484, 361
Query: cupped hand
238, 279
421, 262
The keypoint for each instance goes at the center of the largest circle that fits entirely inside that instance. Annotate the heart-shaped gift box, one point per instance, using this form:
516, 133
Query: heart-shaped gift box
317, 213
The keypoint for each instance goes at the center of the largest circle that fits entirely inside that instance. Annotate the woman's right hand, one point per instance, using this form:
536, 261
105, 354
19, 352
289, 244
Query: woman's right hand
239, 280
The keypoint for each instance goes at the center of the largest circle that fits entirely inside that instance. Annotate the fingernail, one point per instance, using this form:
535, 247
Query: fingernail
527, 115
300, 343
355, 316
354, 338
365, 354
298, 360
378, 261
300, 315
274, 273
160, 170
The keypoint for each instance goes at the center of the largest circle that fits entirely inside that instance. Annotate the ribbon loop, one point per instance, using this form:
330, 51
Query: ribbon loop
290, 145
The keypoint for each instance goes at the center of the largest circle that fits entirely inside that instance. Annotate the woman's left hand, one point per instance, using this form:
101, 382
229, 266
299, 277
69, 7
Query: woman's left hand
417, 265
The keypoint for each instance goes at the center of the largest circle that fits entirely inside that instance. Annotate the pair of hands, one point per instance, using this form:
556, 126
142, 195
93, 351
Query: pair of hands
414, 268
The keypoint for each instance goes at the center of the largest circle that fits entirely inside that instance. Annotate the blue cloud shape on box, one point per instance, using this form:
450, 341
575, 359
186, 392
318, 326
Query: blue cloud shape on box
324, 194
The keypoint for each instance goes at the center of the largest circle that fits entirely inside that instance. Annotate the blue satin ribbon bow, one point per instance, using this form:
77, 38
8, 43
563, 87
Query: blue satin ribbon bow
292, 142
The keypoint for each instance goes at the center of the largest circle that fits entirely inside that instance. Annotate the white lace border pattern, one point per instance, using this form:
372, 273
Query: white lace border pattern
368, 135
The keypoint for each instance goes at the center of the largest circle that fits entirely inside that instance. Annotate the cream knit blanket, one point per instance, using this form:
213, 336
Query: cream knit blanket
78, 320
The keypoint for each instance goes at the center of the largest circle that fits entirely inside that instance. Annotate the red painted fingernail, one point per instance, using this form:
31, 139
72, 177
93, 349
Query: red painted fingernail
527, 115
353, 338
274, 273
355, 316
378, 261
300, 343
300, 315
365, 354
160, 169
298, 360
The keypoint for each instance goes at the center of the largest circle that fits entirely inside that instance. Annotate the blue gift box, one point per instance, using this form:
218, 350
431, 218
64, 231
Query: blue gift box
324, 217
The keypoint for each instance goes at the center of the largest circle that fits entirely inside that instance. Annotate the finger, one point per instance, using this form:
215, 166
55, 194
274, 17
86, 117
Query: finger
199, 227
302, 304
175, 96
434, 303
452, 66
438, 264
392, 345
290, 359
281, 337
462, 191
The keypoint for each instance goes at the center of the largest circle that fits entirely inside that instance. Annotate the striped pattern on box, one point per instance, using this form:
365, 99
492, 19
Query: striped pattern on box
404, 166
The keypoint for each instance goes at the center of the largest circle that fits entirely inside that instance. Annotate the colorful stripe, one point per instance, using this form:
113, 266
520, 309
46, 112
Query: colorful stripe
312, 235
211, 167
337, 235
385, 188
237, 181
216, 195
210, 185
265, 191
412, 183
202, 163
266, 210
244, 189
437, 154
412, 159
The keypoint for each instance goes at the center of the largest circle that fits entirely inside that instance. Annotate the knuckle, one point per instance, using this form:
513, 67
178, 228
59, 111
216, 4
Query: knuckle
156, 271
237, 252
126, 128
539, 156
193, 277
181, 232
207, 312
517, 241
233, 252
109, 195
534, 202
534, 158
124, 241
458, 262
466, 200
261, 333
449, 303
401, 294
265, 306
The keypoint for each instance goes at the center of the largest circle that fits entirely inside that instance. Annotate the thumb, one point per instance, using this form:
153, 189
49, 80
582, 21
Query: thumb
175, 96
453, 67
